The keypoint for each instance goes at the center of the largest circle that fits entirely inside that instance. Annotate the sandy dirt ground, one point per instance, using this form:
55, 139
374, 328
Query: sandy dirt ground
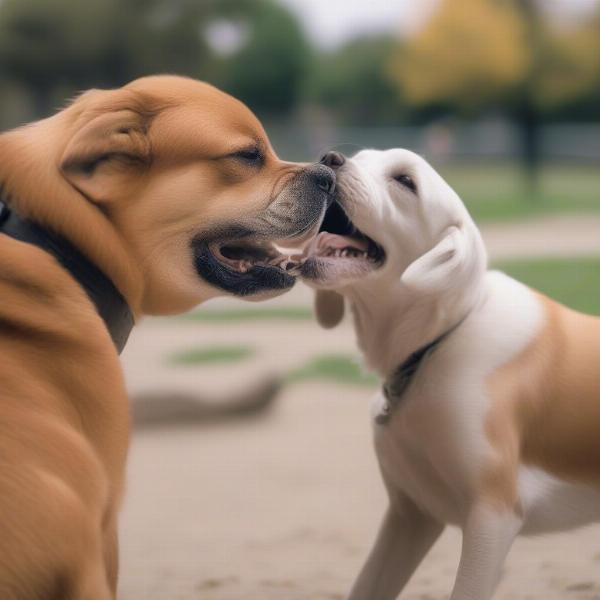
284, 505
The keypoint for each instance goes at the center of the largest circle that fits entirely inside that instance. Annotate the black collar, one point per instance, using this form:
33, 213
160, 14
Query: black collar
109, 302
398, 382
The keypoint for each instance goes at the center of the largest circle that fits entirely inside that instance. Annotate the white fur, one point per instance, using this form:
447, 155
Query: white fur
434, 447
552, 504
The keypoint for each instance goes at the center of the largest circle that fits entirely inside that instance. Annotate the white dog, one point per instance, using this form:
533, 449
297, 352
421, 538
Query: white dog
489, 417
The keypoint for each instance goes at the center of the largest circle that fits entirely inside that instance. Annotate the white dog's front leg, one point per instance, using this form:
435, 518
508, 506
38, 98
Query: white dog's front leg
404, 538
487, 538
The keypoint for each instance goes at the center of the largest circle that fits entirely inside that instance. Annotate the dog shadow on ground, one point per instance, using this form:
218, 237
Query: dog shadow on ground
168, 409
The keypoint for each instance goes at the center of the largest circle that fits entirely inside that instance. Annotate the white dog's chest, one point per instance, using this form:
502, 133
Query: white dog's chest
435, 447
418, 454
434, 459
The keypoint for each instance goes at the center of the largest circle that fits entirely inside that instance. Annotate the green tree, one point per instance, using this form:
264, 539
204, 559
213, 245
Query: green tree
353, 83
569, 82
54, 46
269, 70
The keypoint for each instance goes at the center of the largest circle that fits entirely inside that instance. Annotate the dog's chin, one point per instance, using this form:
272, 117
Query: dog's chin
334, 273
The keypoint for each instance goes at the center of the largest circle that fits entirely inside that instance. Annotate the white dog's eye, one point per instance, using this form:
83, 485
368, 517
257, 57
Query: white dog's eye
407, 181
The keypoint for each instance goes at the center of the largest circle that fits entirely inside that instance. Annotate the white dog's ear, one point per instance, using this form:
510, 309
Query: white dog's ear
105, 151
329, 308
443, 266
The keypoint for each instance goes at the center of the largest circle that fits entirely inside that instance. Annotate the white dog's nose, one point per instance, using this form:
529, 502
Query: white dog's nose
333, 159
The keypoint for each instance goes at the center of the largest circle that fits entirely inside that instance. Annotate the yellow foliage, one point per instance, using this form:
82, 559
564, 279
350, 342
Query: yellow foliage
571, 65
470, 50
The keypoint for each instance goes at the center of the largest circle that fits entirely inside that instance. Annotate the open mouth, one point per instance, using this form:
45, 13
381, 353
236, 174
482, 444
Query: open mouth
244, 263
243, 255
340, 250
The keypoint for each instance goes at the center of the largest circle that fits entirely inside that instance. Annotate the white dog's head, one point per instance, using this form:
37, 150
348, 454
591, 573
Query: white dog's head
395, 222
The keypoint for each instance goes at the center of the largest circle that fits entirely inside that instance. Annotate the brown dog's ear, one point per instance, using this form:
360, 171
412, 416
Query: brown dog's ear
329, 308
105, 151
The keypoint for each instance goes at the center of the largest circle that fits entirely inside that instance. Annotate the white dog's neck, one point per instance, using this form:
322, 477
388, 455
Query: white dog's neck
393, 322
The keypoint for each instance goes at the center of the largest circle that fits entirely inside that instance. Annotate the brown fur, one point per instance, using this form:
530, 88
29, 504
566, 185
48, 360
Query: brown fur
546, 405
64, 416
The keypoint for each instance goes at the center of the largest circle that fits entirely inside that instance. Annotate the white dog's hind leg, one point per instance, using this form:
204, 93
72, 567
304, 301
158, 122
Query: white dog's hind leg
404, 538
487, 538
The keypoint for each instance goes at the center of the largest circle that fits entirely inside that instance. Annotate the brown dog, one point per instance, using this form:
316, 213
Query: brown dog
171, 189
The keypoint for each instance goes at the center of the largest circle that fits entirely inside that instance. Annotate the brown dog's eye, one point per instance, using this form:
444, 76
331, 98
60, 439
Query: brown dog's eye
250, 155
406, 181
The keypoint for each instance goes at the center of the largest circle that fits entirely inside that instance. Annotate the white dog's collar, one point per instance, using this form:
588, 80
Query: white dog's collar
397, 383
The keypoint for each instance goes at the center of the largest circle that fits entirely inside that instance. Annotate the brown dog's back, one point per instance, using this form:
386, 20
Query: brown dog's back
63, 433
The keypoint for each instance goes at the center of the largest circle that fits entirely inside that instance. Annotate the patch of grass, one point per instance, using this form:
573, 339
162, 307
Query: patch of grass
239, 315
500, 192
574, 282
210, 355
338, 368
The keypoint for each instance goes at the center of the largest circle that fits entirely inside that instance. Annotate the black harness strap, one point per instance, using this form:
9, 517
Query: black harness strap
396, 385
109, 302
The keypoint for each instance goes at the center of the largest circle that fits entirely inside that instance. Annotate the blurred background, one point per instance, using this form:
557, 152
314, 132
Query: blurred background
494, 81
251, 473
511, 87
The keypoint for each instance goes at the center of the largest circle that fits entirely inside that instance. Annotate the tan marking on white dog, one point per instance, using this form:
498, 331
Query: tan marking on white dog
546, 405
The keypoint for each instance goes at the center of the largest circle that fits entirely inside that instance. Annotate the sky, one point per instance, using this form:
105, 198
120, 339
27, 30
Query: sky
329, 23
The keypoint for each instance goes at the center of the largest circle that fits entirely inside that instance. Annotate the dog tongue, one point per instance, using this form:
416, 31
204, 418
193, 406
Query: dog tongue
332, 240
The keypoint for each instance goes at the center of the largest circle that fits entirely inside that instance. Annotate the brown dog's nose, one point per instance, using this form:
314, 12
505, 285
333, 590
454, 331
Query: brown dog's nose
324, 177
333, 159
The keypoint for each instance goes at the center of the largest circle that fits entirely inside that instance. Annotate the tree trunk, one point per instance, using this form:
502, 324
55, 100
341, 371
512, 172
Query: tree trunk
527, 114
531, 151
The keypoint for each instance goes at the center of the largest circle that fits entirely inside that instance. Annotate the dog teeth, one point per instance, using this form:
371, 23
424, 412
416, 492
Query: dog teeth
348, 252
289, 265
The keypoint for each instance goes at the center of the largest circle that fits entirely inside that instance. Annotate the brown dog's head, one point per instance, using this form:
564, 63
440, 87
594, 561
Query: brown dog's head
185, 176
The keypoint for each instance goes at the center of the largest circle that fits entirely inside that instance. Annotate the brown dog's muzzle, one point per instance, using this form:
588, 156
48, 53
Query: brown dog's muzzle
242, 257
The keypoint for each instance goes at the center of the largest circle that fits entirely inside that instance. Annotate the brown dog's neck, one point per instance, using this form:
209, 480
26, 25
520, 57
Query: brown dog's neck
30, 176
110, 304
